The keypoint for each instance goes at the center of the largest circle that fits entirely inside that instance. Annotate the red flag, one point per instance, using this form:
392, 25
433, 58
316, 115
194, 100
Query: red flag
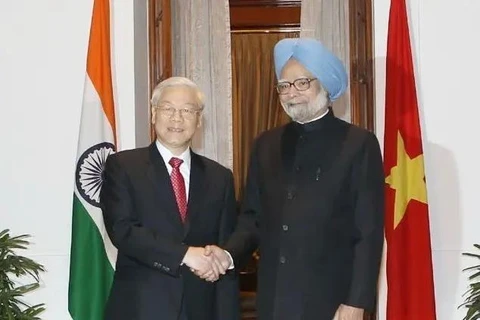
409, 256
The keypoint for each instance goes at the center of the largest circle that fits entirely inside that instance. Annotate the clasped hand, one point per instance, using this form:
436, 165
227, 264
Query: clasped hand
207, 263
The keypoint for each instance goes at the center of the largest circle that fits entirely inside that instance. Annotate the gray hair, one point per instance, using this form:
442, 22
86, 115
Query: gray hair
175, 82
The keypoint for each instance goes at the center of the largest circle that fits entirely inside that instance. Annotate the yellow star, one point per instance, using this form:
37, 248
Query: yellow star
407, 178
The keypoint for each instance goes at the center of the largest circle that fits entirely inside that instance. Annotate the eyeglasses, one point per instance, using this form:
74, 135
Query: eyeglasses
185, 113
300, 84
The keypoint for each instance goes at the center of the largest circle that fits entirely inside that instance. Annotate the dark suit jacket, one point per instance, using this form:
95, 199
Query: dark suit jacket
314, 202
143, 222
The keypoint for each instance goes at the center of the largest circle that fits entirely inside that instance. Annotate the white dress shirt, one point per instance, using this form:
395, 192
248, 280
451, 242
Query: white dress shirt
184, 167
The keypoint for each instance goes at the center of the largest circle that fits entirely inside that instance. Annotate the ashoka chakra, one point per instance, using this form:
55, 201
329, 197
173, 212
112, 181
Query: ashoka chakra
89, 173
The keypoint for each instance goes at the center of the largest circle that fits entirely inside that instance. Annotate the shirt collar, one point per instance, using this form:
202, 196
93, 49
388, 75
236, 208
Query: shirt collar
167, 154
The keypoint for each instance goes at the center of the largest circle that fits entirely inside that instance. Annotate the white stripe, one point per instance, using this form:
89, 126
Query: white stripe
94, 128
94, 125
96, 215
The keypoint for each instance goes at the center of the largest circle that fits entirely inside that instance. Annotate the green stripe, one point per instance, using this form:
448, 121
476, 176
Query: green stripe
91, 273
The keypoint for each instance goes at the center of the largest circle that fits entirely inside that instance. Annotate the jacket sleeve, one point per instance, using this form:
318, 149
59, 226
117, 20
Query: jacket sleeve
244, 240
227, 287
125, 231
368, 182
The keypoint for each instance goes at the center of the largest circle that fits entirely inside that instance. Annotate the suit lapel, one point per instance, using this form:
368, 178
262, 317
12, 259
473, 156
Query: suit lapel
197, 191
158, 174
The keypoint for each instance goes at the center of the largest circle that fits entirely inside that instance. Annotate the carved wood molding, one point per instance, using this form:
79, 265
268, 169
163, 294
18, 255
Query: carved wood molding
265, 3
266, 17
160, 41
361, 64
160, 44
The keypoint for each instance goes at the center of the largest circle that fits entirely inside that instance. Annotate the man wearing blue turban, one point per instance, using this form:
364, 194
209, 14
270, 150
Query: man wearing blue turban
314, 199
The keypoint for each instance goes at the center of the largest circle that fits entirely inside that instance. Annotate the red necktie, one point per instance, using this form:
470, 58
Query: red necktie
178, 184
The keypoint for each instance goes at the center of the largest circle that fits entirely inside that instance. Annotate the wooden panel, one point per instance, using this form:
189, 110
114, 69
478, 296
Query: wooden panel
160, 42
254, 17
248, 305
264, 3
361, 60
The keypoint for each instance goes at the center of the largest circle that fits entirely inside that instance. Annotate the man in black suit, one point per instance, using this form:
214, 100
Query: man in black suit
314, 199
162, 205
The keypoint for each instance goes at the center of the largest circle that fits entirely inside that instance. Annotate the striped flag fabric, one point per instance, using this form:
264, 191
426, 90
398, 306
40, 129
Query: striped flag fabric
410, 292
92, 255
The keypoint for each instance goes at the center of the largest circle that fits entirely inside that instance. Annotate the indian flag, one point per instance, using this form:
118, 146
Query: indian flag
93, 256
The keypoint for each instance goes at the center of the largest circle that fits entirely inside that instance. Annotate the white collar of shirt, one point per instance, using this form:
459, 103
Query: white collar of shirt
167, 155
319, 117
184, 167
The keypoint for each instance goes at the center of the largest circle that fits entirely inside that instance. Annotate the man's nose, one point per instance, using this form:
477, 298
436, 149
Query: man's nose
292, 91
176, 116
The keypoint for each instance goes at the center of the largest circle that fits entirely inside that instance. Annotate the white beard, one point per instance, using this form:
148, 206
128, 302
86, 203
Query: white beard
304, 112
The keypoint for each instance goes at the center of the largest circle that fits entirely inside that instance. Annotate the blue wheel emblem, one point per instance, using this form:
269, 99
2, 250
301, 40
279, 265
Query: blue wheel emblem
89, 172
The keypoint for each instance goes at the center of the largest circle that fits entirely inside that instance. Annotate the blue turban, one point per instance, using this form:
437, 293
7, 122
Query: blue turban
317, 59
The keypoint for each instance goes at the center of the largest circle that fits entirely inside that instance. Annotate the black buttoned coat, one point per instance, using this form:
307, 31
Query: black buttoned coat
314, 203
143, 222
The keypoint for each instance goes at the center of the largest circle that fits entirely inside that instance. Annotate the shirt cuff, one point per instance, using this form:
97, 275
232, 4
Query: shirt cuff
232, 265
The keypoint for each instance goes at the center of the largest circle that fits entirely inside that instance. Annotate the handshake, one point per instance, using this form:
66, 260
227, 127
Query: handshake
208, 263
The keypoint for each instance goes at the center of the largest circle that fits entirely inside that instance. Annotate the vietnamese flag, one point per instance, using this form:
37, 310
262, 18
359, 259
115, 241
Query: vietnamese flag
409, 256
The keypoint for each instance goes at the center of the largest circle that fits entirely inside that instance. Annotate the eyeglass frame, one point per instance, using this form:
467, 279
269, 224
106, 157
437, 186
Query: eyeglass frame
309, 80
171, 111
